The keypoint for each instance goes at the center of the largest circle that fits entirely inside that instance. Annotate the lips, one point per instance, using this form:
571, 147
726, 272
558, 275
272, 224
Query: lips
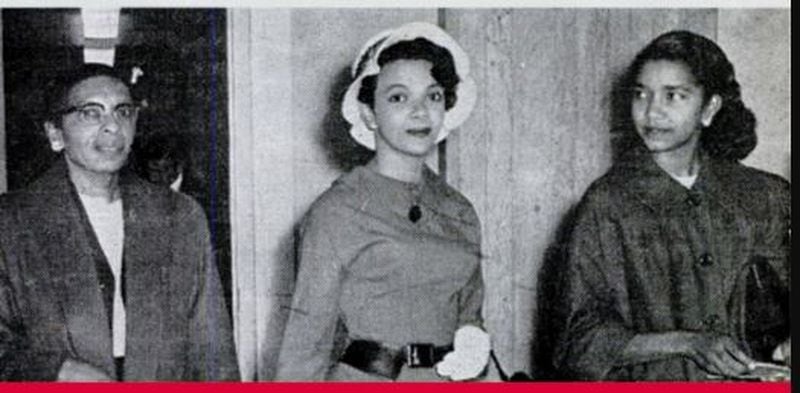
656, 130
110, 147
419, 132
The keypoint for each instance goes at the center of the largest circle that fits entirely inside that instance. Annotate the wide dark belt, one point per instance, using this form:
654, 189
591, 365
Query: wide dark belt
375, 358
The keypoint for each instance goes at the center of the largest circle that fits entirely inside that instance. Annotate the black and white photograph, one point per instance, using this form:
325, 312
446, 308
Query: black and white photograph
374, 193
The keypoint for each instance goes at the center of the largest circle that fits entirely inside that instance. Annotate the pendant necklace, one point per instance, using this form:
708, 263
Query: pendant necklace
415, 212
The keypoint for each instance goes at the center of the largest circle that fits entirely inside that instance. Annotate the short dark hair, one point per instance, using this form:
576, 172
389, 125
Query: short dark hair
443, 70
59, 87
731, 135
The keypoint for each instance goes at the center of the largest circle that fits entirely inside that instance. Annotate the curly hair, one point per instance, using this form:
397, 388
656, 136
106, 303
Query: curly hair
443, 70
731, 135
59, 87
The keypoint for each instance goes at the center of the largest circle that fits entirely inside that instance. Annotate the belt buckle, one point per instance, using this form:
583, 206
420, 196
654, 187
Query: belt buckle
419, 355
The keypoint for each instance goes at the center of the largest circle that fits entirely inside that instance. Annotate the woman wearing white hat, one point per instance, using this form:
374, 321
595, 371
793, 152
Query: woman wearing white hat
389, 257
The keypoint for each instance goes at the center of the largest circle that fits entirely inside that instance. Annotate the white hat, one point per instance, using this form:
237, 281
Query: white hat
366, 64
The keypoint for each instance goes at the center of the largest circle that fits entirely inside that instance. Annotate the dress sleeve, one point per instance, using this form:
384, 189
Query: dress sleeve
309, 337
596, 333
212, 351
18, 362
769, 316
777, 237
470, 300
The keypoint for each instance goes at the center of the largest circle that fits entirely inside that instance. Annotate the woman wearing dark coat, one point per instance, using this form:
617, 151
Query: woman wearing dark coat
679, 262
104, 276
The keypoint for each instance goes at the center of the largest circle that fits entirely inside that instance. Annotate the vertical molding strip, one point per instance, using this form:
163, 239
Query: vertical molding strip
241, 190
3, 175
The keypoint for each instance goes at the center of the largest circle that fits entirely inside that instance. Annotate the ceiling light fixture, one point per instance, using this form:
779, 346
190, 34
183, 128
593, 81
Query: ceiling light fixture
100, 34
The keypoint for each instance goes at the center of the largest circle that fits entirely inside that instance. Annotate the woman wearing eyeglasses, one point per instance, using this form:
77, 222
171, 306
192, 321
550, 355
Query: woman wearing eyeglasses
104, 276
389, 257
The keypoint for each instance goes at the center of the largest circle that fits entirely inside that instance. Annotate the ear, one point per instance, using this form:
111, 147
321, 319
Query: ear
55, 136
367, 116
710, 110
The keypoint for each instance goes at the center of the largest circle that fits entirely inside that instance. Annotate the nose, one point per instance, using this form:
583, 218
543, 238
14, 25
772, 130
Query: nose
419, 108
111, 124
654, 110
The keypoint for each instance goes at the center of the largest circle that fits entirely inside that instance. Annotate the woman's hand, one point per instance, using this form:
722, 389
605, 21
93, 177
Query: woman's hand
783, 352
717, 355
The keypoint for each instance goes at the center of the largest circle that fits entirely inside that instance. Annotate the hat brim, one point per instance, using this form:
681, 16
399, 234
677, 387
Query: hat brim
465, 89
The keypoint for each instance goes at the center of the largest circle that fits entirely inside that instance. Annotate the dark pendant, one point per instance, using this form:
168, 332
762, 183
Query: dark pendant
415, 213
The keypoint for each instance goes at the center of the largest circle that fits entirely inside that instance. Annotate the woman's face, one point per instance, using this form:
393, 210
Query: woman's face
668, 108
97, 133
408, 110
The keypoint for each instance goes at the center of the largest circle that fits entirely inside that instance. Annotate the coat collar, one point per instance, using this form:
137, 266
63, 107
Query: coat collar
654, 187
71, 246
145, 255
432, 192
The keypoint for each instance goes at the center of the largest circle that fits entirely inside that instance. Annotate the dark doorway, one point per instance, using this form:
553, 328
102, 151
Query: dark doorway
181, 53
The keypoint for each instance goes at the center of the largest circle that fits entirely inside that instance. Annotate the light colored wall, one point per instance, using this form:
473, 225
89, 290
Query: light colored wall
261, 167
758, 44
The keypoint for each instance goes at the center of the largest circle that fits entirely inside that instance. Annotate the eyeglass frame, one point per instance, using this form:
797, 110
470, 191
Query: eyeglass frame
114, 112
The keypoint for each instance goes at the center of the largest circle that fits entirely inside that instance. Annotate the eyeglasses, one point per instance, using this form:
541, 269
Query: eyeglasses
93, 114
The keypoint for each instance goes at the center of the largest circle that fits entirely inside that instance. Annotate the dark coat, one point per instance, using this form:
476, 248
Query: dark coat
51, 301
650, 256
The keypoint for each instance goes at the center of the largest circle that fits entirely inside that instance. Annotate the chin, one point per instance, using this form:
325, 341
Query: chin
419, 152
407, 147
658, 146
109, 167
655, 148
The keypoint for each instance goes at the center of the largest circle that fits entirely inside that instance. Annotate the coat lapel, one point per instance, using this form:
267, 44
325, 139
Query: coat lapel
74, 252
649, 184
146, 252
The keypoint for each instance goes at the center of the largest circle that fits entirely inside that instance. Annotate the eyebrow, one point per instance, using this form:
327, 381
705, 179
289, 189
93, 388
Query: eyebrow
94, 103
685, 86
680, 87
400, 85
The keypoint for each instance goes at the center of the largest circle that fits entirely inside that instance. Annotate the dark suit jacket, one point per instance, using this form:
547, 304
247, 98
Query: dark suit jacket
52, 305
